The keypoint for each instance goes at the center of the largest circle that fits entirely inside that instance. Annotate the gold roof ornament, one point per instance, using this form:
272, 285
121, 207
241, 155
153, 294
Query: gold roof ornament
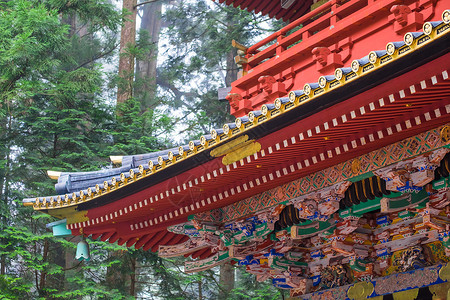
116, 159
53, 174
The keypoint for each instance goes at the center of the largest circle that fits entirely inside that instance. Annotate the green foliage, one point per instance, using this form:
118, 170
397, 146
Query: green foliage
27, 51
247, 287
51, 117
136, 132
200, 59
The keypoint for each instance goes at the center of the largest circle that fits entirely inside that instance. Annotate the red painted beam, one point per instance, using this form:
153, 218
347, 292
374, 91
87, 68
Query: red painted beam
206, 254
95, 236
144, 239
131, 242
114, 238
106, 236
155, 240
163, 241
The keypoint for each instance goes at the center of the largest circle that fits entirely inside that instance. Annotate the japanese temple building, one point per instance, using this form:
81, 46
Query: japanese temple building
333, 181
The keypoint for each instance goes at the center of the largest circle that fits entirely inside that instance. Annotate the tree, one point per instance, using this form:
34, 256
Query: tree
52, 117
147, 64
126, 53
200, 59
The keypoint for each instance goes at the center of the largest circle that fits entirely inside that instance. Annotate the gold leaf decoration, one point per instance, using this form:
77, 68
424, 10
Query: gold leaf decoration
241, 153
406, 295
444, 272
440, 291
356, 166
230, 146
71, 214
360, 290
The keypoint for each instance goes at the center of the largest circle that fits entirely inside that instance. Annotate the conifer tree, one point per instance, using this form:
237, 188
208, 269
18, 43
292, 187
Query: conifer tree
52, 117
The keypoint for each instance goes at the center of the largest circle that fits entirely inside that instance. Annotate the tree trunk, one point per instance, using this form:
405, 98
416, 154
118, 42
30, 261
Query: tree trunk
116, 276
232, 69
226, 280
200, 292
133, 276
146, 68
126, 58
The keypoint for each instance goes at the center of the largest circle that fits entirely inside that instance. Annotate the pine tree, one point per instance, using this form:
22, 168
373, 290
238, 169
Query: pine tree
52, 117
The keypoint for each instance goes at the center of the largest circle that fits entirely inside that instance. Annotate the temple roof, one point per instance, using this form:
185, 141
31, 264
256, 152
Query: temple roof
287, 10
382, 98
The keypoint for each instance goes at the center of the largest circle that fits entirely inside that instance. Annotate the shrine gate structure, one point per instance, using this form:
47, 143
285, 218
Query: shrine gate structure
333, 182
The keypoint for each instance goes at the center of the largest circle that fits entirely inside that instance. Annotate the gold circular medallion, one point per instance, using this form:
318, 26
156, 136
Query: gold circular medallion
226, 129
445, 133
427, 28
292, 96
307, 89
264, 109
446, 16
373, 57
390, 48
356, 166
214, 134
238, 122
251, 116
203, 140
338, 74
322, 81
277, 103
408, 39
355, 66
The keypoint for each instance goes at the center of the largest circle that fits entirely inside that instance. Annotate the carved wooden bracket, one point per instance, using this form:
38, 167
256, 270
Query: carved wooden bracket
320, 55
406, 19
238, 105
267, 83
328, 60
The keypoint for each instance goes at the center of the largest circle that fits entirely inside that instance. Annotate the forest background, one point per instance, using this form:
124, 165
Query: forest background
68, 101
